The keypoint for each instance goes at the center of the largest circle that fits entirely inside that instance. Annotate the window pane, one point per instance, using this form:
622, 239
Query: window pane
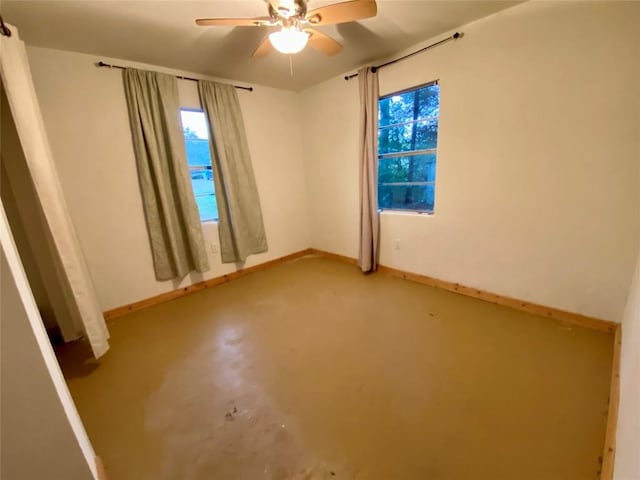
208, 207
416, 168
196, 140
420, 135
194, 124
395, 109
198, 154
407, 124
402, 197
429, 103
400, 108
202, 181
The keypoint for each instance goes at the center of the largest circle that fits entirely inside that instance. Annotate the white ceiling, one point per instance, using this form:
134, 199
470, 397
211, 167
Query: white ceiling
164, 33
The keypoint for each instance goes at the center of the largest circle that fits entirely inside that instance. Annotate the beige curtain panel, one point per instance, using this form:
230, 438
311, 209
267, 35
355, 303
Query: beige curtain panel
240, 226
369, 218
173, 222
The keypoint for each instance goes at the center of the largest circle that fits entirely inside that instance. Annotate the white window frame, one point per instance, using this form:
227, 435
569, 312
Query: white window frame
200, 168
410, 153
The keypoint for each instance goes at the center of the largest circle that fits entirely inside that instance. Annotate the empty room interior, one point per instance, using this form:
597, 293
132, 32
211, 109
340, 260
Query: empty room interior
313, 240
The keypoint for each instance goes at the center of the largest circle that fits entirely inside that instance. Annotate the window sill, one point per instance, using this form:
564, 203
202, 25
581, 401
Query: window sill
409, 213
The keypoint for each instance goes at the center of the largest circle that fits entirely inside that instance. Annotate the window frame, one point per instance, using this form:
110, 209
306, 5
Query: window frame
199, 167
410, 153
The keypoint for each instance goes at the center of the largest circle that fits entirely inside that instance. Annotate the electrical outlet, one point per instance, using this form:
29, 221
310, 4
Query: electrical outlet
396, 244
215, 248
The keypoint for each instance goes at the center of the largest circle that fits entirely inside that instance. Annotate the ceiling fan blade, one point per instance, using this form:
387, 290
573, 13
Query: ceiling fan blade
343, 12
234, 22
323, 43
263, 49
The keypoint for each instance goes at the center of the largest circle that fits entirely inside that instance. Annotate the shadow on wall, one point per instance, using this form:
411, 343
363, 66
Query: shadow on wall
233, 50
359, 37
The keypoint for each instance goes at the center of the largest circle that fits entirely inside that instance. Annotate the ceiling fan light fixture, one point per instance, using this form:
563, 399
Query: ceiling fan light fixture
289, 40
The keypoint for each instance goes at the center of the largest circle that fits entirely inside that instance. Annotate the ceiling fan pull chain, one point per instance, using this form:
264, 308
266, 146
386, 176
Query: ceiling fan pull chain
291, 65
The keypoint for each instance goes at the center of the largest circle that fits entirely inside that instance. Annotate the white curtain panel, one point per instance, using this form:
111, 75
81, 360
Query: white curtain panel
18, 85
369, 219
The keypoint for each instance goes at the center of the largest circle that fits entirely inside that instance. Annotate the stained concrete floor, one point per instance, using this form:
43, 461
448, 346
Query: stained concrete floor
311, 370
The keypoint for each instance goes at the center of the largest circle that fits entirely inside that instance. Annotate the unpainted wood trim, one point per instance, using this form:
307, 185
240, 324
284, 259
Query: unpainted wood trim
334, 256
609, 454
102, 473
196, 287
534, 308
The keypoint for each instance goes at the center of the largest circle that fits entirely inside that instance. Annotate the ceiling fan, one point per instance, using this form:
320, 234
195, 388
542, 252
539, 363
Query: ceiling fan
294, 20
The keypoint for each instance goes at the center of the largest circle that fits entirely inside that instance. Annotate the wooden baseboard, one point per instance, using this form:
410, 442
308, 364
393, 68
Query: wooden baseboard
196, 287
333, 256
608, 456
534, 308
102, 473
609, 453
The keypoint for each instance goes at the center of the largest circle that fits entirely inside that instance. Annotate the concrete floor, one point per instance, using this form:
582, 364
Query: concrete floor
311, 370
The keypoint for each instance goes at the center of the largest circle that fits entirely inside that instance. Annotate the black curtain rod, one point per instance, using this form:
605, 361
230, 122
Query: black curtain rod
102, 64
375, 68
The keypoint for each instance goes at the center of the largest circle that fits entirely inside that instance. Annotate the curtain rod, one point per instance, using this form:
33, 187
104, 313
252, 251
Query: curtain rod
102, 64
374, 68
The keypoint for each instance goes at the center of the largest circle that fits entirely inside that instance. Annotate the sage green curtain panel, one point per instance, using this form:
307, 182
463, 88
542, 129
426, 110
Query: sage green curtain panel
240, 226
369, 218
170, 208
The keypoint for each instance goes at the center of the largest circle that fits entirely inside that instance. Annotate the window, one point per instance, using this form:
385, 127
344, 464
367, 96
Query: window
407, 144
196, 140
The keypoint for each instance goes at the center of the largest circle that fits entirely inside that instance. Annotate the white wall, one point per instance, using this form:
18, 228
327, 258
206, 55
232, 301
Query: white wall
627, 459
537, 178
40, 431
86, 119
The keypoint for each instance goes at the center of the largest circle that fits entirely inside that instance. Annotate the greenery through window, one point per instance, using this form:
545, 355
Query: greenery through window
196, 140
407, 144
